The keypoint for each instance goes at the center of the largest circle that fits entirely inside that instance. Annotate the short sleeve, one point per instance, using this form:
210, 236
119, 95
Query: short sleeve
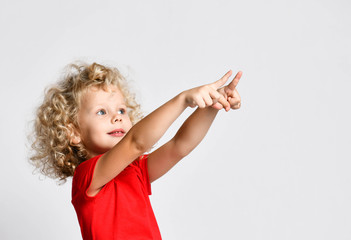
83, 176
141, 163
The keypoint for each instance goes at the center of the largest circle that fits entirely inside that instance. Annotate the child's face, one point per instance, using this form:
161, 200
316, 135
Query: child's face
103, 119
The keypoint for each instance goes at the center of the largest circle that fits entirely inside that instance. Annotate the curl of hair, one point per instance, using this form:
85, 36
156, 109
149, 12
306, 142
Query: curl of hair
56, 119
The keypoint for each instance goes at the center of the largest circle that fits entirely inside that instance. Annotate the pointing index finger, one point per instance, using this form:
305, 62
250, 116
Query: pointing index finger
232, 85
219, 83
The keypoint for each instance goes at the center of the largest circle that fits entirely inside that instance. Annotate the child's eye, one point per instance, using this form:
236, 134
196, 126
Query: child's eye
101, 112
121, 111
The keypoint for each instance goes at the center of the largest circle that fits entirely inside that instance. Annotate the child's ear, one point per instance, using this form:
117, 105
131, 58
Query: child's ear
73, 135
75, 139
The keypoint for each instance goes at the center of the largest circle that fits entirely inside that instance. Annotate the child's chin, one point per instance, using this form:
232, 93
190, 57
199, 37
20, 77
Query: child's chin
117, 140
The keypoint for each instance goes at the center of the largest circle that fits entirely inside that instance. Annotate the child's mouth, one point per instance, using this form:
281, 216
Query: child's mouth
117, 133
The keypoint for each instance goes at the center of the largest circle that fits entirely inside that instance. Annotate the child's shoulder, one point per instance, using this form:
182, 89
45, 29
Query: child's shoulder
86, 167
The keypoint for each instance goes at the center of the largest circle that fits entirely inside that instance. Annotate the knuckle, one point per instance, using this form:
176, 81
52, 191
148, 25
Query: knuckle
217, 95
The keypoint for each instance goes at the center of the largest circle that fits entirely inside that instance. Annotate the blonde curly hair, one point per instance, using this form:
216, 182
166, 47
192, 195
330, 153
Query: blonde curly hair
54, 154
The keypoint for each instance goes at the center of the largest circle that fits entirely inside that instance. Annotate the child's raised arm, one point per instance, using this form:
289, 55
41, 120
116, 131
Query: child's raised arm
191, 132
143, 135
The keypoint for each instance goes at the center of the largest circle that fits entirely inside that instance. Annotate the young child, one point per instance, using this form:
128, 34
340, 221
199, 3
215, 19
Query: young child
88, 127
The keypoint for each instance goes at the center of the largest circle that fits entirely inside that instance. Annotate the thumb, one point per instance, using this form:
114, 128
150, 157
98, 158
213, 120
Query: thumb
217, 106
219, 83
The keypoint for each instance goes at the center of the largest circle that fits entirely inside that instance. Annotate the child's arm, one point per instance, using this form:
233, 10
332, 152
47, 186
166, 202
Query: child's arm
143, 135
190, 133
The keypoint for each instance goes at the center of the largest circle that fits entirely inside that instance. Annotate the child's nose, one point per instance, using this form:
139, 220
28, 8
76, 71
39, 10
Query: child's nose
117, 118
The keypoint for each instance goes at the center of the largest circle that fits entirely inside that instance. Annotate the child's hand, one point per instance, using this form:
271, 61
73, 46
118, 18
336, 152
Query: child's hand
230, 93
209, 95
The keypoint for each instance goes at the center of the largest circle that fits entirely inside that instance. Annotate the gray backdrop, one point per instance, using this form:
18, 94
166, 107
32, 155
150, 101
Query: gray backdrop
278, 168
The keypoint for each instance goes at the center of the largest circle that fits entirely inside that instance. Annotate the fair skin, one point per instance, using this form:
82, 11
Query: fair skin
103, 119
104, 128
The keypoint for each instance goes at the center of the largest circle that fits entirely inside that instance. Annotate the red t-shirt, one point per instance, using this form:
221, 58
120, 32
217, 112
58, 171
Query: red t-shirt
121, 210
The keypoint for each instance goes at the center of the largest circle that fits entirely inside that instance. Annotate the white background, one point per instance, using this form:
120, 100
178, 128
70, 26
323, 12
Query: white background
278, 168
